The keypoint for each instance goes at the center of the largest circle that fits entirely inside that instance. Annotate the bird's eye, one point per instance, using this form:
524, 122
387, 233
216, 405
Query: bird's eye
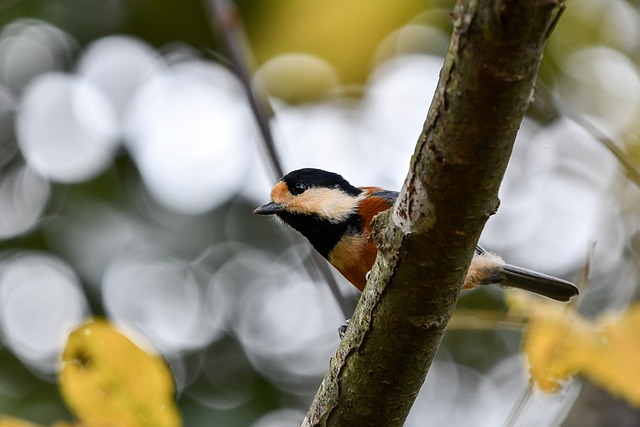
299, 188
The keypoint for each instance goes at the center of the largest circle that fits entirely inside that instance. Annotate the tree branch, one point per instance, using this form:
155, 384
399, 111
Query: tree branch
426, 242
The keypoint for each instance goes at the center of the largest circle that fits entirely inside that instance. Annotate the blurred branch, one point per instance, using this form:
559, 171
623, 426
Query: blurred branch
224, 18
487, 319
631, 169
521, 404
426, 242
549, 109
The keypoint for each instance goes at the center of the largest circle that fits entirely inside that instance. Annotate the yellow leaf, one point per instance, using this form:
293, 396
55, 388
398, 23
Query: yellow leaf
560, 343
554, 344
613, 361
107, 381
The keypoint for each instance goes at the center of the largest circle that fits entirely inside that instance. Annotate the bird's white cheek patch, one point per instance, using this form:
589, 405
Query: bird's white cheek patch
331, 204
328, 203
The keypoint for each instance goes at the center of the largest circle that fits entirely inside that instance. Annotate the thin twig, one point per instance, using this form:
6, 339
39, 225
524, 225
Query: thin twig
486, 319
518, 410
224, 18
585, 279
630, 167
519, 407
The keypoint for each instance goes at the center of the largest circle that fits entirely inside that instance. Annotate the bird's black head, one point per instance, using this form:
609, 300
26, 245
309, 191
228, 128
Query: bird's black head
321, 205
300, 180
316, 192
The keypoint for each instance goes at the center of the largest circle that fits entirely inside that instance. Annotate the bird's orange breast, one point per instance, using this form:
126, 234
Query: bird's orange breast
353, 256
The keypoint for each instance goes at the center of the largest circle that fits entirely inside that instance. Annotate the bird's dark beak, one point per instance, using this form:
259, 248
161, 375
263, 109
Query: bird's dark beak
270, 208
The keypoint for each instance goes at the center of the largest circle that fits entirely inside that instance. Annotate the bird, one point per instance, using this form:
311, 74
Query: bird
336, 217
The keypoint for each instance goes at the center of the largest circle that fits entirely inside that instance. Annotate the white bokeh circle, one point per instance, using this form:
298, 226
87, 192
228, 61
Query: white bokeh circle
160, 298
66, 128
23, 198
190, 133
119, 65
40, 302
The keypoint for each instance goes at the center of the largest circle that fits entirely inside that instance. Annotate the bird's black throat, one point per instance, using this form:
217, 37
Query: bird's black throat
321, 233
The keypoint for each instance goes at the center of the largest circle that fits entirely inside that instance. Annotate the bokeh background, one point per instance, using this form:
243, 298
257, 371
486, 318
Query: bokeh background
130, 163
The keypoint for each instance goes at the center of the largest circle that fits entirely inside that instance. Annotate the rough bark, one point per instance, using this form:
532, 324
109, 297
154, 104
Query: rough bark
427, 240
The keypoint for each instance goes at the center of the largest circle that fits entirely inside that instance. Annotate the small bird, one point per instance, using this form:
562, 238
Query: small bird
336, 218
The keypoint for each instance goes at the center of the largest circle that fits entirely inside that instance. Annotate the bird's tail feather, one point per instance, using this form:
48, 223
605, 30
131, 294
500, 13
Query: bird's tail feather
541, 284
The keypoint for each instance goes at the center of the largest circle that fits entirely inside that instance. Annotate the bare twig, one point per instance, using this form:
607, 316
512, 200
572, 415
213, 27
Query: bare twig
552, 110
485, 319
224, 17
631, 169
521, 405
226, 20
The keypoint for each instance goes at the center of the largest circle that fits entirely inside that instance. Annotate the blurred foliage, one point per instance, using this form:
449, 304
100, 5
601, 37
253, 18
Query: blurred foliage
319, 27
559, 343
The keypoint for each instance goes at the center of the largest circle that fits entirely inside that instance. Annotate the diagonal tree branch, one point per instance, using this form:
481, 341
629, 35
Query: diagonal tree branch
427, 240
